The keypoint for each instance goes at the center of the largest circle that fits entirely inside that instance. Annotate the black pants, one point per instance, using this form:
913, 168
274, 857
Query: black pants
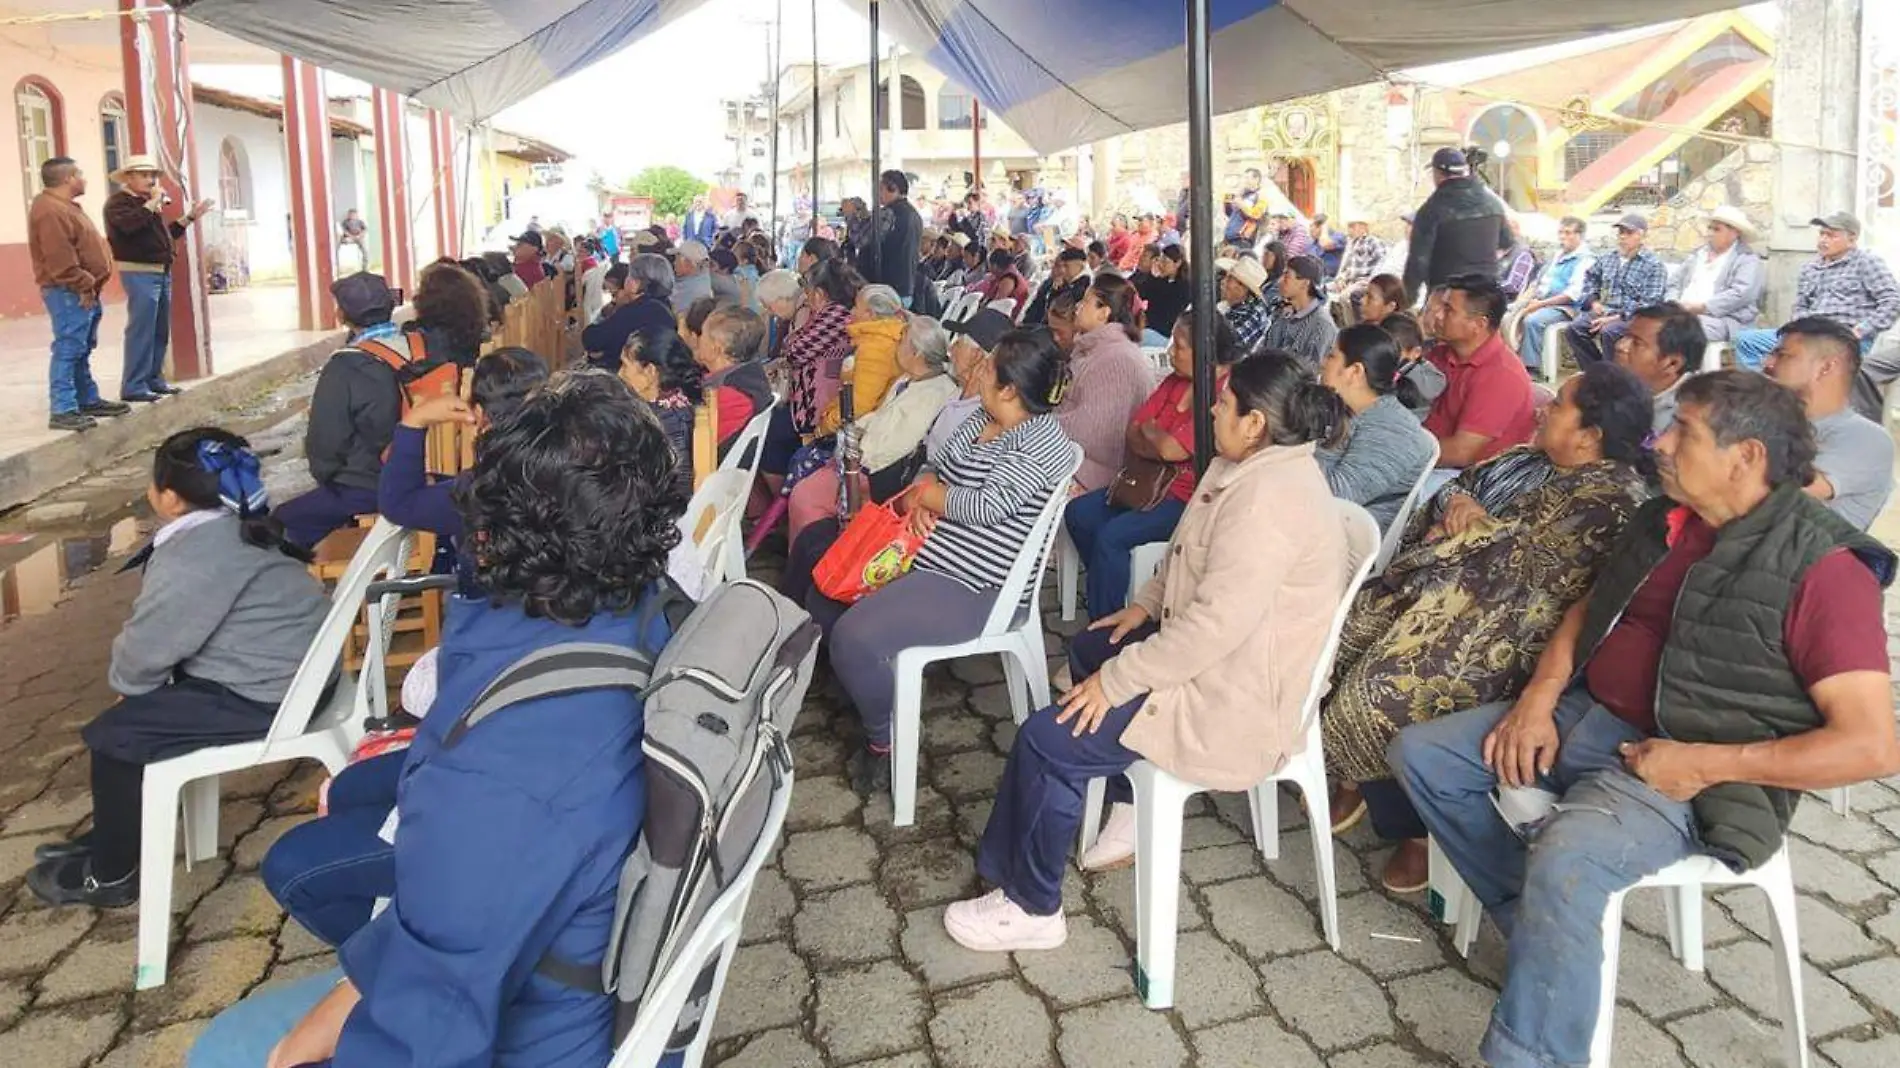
182, 717
1393, 817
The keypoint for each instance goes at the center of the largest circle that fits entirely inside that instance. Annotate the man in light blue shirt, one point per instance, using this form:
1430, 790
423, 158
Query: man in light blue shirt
1558, 292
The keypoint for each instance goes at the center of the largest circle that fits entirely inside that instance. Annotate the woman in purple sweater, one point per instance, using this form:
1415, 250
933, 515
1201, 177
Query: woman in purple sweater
1111, 378
404, 494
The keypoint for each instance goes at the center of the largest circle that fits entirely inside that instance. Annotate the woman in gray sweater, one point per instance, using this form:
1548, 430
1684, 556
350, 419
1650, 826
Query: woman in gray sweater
1387, 449
222, 621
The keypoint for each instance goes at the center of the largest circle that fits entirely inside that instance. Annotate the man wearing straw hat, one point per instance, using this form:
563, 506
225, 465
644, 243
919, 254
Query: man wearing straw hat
1722, 281
142, 250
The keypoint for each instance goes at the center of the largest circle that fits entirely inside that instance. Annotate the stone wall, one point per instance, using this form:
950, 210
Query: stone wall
1746, 180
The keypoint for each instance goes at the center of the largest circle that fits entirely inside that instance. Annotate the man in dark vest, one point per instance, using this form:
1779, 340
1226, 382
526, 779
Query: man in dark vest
1731, 655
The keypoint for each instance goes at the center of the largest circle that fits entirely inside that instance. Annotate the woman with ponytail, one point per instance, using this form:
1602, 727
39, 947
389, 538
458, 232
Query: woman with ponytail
225, 615
1387, 449
1204, 675
1111, 378
977, 498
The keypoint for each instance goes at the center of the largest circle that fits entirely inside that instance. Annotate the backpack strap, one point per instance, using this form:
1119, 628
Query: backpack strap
570, 667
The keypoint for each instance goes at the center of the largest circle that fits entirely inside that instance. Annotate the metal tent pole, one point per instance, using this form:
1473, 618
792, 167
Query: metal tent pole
1201, 233
976, 144
871, 256
774, 55
815, 128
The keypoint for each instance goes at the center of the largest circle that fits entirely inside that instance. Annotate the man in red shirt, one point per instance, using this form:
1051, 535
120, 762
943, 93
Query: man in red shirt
1731, 655
1487, 405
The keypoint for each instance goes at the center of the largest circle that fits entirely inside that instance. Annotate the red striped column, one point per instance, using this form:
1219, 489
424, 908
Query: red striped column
312, 218
444, 186
158, 110
392, 189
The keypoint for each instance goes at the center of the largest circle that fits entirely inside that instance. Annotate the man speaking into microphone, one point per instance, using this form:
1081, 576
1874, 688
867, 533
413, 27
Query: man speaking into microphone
141, 239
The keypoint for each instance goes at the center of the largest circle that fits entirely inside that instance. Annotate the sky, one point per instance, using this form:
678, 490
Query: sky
658, 100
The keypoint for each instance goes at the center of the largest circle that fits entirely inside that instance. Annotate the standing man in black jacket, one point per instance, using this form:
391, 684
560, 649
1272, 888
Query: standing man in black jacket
898, 239
1460, 229
141, 239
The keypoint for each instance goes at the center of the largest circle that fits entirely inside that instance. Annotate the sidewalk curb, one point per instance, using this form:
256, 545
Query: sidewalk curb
28, 475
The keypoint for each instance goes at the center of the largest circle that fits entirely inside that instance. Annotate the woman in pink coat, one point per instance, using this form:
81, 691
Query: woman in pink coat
1204, 675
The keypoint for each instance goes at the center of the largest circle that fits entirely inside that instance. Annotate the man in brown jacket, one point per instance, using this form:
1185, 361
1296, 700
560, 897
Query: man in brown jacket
70, 267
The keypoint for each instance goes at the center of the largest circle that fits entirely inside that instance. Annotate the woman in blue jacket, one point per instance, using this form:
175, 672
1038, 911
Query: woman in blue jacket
508, 846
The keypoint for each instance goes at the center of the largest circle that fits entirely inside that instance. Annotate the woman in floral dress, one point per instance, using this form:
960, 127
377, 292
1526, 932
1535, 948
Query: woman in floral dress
1481, 579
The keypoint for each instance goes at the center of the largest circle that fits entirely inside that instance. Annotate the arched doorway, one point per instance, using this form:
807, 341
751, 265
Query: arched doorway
1508, 136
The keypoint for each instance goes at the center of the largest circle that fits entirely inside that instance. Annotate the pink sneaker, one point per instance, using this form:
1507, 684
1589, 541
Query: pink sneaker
1115, 846
995, 924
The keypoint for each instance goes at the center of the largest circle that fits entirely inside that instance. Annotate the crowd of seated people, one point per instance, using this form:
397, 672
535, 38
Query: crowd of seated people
1528, 630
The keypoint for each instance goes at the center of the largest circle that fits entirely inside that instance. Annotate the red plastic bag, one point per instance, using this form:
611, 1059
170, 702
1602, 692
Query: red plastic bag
875, 549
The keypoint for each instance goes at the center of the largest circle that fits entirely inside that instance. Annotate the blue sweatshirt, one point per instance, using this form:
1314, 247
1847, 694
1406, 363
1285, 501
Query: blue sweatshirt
404, 494
509, 848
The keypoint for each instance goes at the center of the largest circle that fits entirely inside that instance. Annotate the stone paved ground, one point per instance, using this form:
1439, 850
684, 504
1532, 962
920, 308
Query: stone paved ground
845, 961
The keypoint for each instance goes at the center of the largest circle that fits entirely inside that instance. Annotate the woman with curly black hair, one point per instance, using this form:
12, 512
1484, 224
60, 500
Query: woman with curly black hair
452, 313
508, 845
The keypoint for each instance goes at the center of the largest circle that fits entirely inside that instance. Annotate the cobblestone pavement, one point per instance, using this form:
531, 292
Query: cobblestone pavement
845, 961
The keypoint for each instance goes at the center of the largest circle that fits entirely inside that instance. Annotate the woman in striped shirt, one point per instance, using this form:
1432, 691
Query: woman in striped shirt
977, 500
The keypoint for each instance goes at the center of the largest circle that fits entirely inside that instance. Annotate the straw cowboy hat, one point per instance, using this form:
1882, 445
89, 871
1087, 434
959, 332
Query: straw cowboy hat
134, 164
1246, 270
1735, 218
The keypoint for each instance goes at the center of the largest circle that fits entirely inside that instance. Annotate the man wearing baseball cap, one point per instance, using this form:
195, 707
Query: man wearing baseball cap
1845, 283
141, 239
1613, 288
353, 415
530, 258
1243, 286
1459, 230
1721, 282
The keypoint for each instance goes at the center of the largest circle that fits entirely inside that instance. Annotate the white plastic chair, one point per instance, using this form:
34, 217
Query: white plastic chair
1013, 632
1682, 883
1158, 356
1713, 353
713, 523
718, 933
1838, 798
1390, 545
1068, 572
948, 297
1007, 306
963, 307
749, 446
1161, 797
1144, 563
306, 727
1554, 346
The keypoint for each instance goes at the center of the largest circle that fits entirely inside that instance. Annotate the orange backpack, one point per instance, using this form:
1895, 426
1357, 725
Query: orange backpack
417, 376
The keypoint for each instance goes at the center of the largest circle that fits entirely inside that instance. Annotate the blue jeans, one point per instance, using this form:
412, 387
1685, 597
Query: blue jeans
328, 872
1753, 346
1531, 348
1038, 806
75, 335
1104, 536
148, 327
1610, 830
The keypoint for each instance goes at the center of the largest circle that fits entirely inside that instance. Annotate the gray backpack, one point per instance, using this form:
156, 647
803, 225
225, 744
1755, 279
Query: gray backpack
720, 702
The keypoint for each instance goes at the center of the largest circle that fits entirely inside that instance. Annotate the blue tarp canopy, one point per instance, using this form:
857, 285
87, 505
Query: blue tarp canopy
1067, 72
1059, 72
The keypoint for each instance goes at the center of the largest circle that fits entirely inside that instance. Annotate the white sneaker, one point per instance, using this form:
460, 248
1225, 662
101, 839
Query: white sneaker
1062, 681
995, 924
1115, 846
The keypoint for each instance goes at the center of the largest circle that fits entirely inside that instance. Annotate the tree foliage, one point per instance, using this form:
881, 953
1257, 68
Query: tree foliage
671, 188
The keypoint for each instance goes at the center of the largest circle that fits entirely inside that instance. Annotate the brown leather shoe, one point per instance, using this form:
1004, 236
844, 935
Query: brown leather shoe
1409, 869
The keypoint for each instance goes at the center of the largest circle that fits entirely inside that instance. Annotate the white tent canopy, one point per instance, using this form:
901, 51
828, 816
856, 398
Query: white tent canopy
471, 58
1059, 72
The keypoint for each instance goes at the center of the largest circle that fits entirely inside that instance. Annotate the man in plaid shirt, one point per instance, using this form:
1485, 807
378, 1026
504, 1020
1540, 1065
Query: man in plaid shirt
1358, 263
1613, 289
1845, 283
